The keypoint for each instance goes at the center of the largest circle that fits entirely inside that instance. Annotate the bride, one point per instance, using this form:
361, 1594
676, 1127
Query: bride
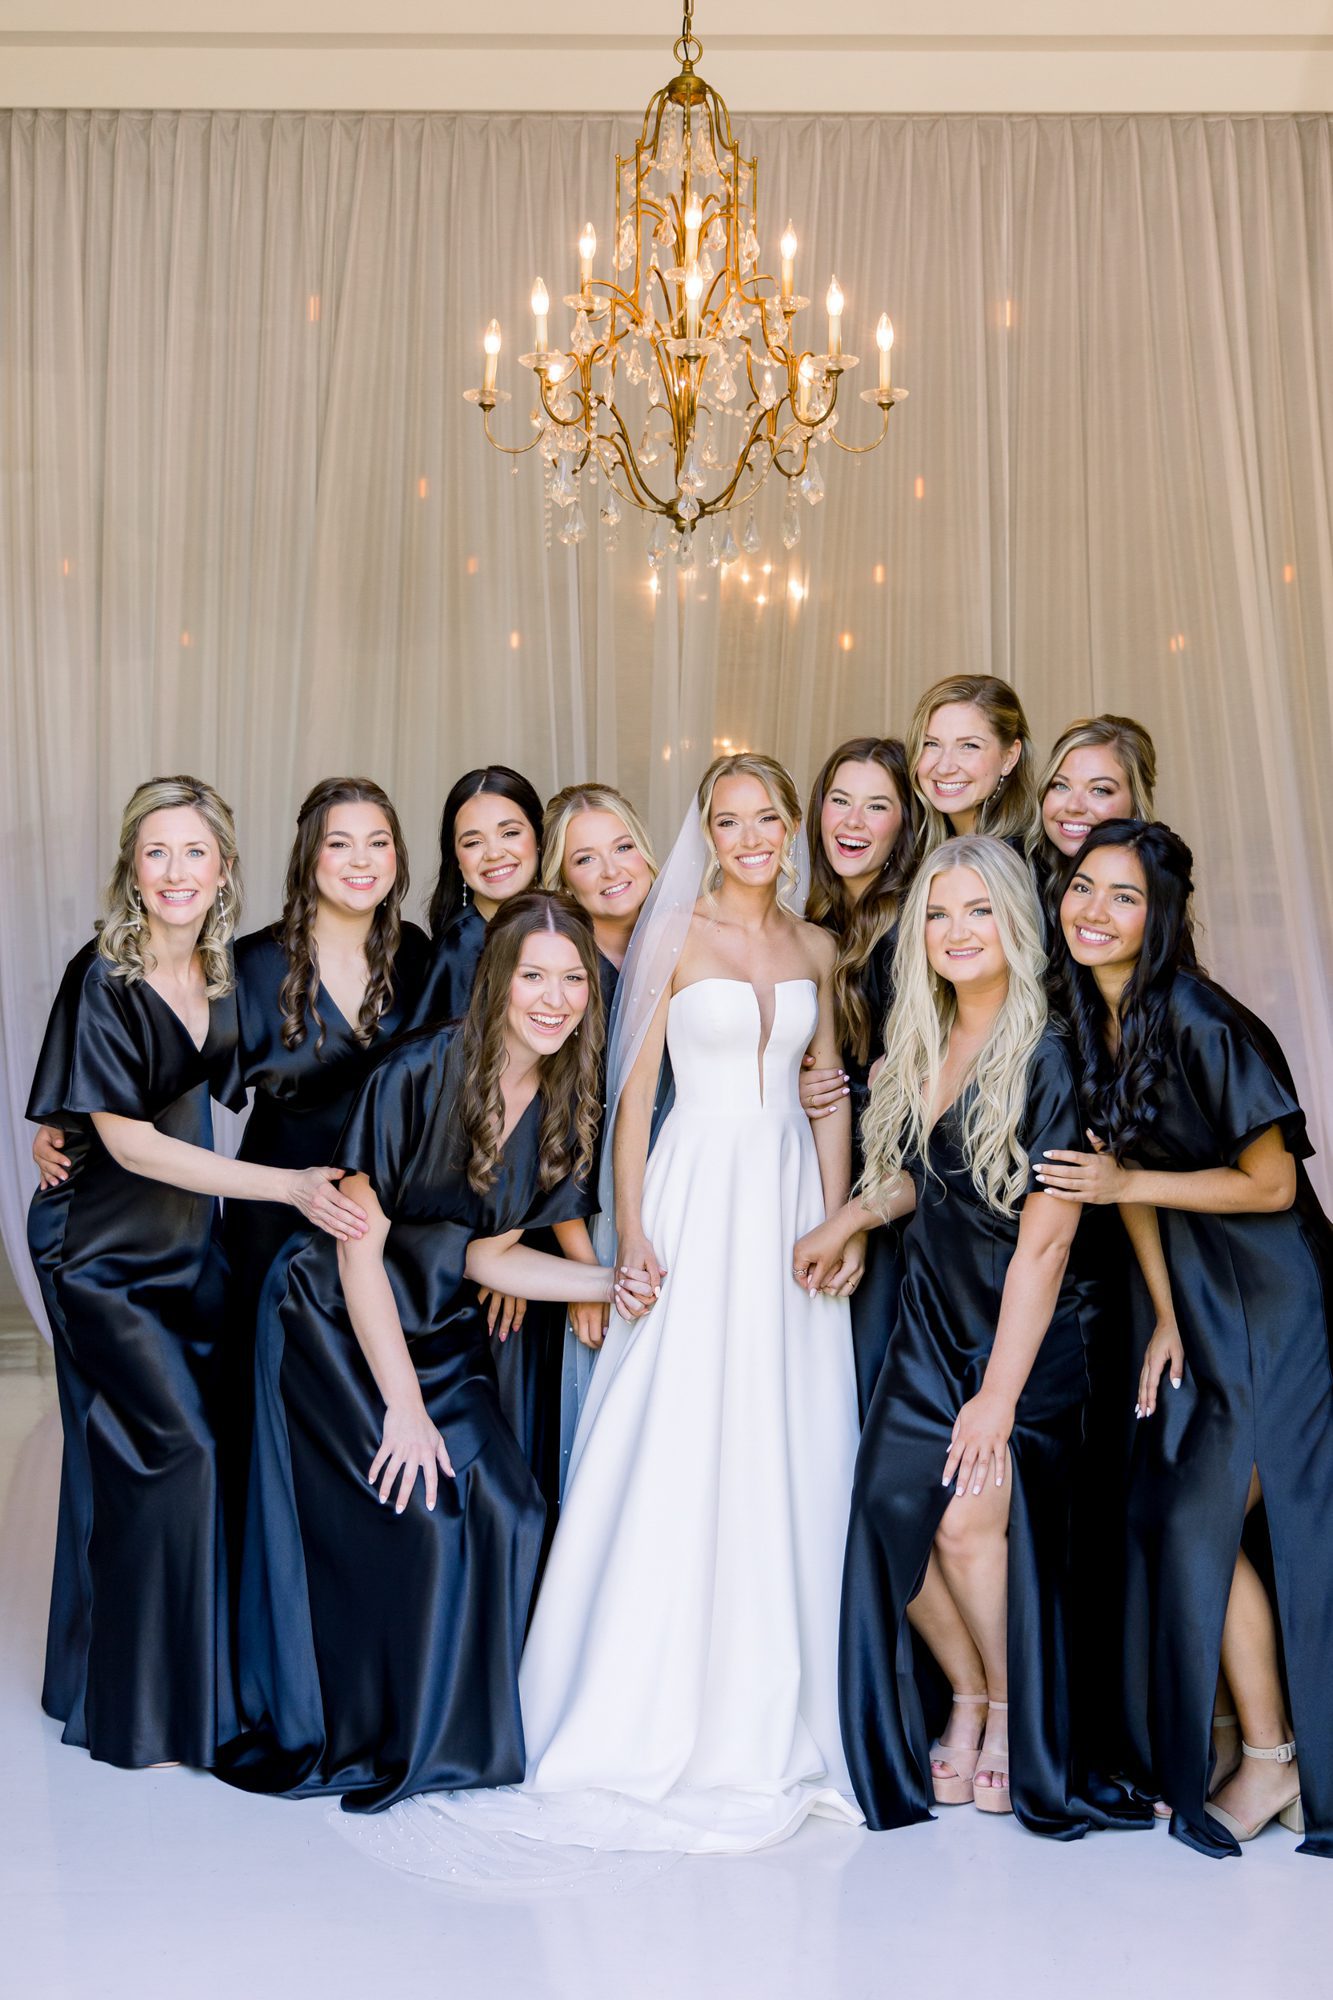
679, 1682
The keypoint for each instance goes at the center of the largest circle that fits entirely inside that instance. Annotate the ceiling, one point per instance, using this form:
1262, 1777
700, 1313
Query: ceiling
916, 55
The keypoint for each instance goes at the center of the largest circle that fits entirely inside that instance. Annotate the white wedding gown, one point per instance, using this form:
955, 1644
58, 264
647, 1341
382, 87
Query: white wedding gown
679, 1682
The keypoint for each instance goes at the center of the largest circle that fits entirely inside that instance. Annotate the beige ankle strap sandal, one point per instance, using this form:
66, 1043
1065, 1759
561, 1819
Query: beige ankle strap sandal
957, 1790
1290, 1812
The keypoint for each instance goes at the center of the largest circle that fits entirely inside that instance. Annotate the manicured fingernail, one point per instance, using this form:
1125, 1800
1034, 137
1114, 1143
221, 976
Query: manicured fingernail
1175, 1381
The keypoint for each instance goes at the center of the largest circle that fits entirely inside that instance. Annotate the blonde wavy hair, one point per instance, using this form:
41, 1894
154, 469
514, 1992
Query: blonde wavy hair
897, 1121
122, 934
1012, 811
1130, 745
778, 782
586, 798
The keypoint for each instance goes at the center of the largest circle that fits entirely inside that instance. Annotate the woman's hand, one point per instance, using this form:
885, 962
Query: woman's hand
819, 1254
1165, 1347
410, 1444
633, 1292
52, 1163
589, 1324
312, 1190
822, 1090
1092, 1177
636, 1254
980, 1442
842, 1282
504, 1315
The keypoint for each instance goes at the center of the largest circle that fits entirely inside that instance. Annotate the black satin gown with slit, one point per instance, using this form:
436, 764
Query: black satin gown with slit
1252, 1296
957, 1252
379, 1652
529, 1364
138, 1661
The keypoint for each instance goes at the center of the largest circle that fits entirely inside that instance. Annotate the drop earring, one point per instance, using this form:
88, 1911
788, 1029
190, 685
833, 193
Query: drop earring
465, 895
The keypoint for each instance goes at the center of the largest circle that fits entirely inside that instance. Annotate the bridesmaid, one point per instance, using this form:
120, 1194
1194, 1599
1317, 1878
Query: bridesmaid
596, 849
1103, 768
864, 816
969, 750
138, 1647
982, 1387
319, 994
490, 851
379, 1645
1196, 1089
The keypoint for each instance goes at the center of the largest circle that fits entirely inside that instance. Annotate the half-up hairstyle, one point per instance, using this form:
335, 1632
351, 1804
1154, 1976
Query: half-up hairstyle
449, 894
860, 926
586, 798
921, 1019
1128, 742
295, 929
1012, 811
778, 782
571, 1079
1119, 1091
122, 935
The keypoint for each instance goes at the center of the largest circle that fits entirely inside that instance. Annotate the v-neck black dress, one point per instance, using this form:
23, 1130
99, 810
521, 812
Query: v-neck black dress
138, 1646
302, 1095
379, 1652
451, 969
1252, 1295
957, 1252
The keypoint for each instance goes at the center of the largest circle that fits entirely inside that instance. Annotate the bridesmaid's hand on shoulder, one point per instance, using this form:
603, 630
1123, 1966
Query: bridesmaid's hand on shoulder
410, 1444
1166, 1348
315, 1193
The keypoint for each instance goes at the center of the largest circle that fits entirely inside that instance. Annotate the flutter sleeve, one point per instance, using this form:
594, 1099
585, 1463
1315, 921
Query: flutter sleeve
387, 1124
94, 1054
1052, 1118
1236, 1073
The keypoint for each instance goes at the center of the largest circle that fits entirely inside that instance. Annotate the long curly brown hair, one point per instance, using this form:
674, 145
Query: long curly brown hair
571, 1079
298, 995
860, 927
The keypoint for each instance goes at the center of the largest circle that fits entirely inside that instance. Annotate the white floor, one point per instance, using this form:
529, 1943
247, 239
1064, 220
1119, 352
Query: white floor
167, 1886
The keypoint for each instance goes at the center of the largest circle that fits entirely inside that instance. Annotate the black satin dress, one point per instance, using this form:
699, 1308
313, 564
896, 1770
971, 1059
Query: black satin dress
956, 1255
874, 1303
138, 1646
529, 1364
379, 1652
302, 1095
1252, 1296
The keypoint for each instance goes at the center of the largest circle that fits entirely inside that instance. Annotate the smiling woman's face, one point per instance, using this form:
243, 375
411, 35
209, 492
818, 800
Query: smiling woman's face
1089, 786
496, 849
1104, 910
962, 939
603, 867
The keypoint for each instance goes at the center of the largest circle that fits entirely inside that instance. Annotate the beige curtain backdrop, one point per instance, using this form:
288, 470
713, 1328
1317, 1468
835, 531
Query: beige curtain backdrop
249, 528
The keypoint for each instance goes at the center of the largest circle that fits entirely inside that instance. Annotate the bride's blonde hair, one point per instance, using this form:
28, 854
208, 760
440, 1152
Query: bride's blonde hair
917, 1036
778, 782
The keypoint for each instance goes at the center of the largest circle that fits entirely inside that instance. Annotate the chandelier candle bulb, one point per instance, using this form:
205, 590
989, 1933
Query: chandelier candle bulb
834, 301
884, 342
541, 306
587, 251
694, 291
694, 222
787, 245
805, 376
491, 343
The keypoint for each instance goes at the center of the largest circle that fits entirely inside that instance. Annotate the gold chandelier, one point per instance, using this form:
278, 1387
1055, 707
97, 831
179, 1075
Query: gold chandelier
706, 340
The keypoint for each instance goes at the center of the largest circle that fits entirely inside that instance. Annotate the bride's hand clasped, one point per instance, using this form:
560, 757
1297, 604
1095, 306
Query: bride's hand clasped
820, 1260
634, 1290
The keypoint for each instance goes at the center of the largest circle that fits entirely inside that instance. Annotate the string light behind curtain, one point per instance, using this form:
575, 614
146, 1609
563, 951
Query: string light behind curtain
249, 527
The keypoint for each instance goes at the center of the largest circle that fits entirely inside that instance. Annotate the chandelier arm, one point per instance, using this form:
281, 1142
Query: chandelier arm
618, 438
859, 450
509, 450
727, 497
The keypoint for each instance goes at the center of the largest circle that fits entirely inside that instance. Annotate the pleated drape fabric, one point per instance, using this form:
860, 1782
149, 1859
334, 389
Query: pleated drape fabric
249, 528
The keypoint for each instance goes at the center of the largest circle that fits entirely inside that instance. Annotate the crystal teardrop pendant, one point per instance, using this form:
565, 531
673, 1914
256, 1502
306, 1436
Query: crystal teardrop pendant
658, 543
750, 541
812, 483
791, 520
730, 551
